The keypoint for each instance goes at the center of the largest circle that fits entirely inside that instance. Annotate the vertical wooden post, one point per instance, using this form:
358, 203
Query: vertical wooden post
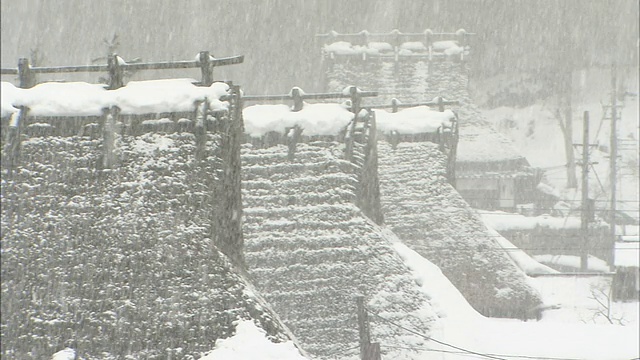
108, 136
368, 351
235, 140
297, 99
370, 172
292, 136
348, 140
25, 74
226, 221
206, 68
396, 45
14, 141
584, 224
372, 352
453, 148
365, 37
613, 155
428, 39
350, 136
200, 129
440, 104
354, 92
363, 326
115, 72
461, 37
394, 105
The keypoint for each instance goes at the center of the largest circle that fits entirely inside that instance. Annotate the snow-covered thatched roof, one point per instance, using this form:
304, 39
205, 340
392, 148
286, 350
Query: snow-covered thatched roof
84, 99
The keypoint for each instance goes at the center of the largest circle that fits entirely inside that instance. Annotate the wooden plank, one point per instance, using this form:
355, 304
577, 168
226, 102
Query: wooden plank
372, 352
25, 73
206, 68
185, 64
116, 74
316, 96
400, 105
363, 326
70, 69
14, 141
108, 137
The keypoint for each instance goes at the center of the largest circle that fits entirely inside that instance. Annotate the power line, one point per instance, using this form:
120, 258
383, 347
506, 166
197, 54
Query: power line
343, 350
566, 201
431, 338
429, 350
523, 249
461, 350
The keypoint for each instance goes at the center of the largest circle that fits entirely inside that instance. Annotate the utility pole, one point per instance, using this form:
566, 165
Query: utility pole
584, 224
613, 155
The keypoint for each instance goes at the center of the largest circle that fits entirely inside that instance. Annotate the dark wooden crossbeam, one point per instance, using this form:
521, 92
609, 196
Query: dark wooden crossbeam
115, 67
298, 96
318, 96
396, 104
137, 66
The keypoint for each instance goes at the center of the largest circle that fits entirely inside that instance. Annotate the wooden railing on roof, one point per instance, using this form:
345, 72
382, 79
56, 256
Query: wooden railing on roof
298, 96
447, 140
395, 37
396, 104
116, 66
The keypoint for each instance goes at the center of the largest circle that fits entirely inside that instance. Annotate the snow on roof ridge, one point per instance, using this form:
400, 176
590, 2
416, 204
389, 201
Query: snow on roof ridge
446, 47
314, 119
414, 120
86, 99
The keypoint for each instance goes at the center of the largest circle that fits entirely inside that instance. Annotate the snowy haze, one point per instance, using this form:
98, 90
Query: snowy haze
278, 36
517, 51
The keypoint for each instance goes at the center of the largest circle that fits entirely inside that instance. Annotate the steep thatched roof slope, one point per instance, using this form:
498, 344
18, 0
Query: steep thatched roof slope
433, 219
117, 263
310, 251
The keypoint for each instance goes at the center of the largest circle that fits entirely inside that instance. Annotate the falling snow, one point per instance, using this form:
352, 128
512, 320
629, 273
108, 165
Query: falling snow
159, 220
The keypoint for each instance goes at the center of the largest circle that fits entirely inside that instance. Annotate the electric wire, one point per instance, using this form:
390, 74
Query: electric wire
430, 338
343, 350
461, 350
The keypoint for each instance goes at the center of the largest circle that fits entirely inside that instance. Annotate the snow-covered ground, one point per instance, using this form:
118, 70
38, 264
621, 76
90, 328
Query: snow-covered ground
573, 331
578, 315
237, 347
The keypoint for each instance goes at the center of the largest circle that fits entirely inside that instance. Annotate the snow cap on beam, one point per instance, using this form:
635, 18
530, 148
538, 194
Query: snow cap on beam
84, 99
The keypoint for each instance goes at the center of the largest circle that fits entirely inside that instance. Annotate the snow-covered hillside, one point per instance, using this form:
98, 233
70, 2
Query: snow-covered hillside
536, 134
